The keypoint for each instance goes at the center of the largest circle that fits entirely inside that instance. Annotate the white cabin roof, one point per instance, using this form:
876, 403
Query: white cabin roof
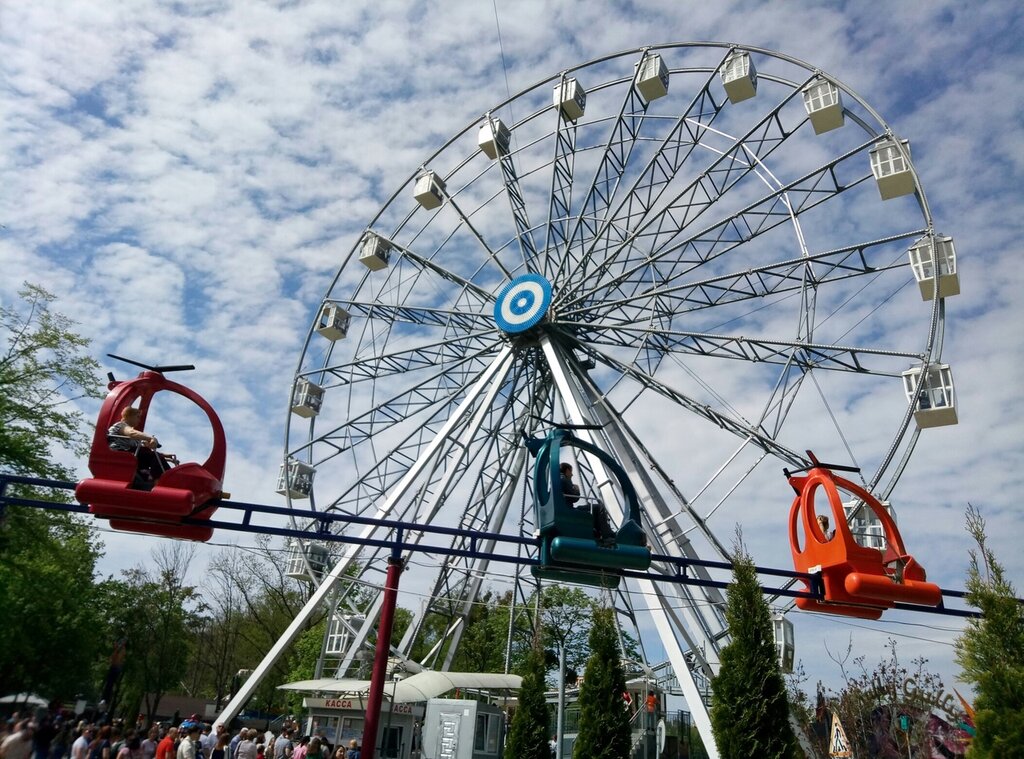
415, 688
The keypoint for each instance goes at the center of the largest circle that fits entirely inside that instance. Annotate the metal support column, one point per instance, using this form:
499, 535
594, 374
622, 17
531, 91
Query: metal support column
380, 662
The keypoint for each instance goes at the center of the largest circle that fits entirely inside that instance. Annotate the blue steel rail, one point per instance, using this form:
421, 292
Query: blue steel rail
399, 531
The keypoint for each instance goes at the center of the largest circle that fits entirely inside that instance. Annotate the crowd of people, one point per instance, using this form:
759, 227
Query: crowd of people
48, 736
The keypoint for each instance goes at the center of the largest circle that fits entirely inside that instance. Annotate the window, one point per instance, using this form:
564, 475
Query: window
488, 727
736, 67
820, 95
392, 743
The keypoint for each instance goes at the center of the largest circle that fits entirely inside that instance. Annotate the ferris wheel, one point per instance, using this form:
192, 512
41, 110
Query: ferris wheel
716, 256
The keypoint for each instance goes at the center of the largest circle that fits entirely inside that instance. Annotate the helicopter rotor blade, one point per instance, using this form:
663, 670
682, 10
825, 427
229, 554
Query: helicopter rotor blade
160, 369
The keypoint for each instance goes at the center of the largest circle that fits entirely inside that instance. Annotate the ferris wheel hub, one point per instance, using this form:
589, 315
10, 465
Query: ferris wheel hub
522, 304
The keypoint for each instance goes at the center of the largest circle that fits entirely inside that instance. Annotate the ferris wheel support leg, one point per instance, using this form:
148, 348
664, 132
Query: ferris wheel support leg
692, 694
380, 661
576, 408
470, 400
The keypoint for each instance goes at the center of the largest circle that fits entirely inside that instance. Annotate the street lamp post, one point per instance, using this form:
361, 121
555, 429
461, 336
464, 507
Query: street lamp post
560, 719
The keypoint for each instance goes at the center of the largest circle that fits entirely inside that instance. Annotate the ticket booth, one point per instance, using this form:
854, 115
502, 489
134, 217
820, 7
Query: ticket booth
341, 719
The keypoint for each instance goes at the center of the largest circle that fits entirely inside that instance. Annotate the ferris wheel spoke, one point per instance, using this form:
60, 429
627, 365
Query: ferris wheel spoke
642, 466
833, 266
417, 454
517, 204
434, 393
525, 243
656, 223
561, 189
481, 295
458, 578
804, 355
437, 317
421, 356
726, 422
777, 207
598, 196
599, 232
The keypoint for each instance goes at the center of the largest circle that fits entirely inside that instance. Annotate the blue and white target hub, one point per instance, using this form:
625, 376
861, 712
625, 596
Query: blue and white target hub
522, 303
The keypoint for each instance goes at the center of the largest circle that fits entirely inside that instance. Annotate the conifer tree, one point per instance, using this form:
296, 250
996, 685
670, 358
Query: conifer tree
991, 652
749, 707
528, 736
604, 721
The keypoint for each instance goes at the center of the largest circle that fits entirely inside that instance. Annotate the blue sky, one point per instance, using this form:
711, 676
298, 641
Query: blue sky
188, 177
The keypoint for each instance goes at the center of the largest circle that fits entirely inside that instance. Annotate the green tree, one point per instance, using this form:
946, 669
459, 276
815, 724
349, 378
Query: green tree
43, 372
991, 652
157, 616
565, 613
604, 721
484, 642
47, 559
749, 708
48, 638
871, 703
269, 600
528, 734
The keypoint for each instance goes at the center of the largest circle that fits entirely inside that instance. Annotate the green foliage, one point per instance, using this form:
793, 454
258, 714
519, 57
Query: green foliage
991, 652
528, 734
749, 708
267, 600
305, 654
47, 559
871, 703
604, 721
157, 615
566, 613
48, 639
484, 642
42, 373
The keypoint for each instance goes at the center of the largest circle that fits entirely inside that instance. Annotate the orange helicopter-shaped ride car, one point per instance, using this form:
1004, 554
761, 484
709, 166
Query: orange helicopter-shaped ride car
116, 492
859, 581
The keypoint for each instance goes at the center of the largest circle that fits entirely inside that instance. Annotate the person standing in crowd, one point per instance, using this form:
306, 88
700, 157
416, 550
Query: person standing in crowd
189, 746
283, 746
100, 746
315, 750
118, 738
220, 748
204, 739
80, 746
233, 743
62, 739
353, 750
45, 733
247, 746
165, 748
300, 750
18, 745
149, 745
131, 748
222, 730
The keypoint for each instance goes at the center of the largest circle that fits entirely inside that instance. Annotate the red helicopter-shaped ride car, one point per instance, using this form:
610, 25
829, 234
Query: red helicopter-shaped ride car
115, 492
859, 581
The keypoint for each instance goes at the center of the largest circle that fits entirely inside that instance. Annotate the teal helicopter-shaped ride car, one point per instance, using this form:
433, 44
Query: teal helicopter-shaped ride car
578, 544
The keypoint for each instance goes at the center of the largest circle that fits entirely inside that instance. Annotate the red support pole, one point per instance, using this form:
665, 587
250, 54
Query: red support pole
380, 661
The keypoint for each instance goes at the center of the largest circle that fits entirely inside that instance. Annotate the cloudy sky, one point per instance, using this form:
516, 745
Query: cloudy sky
189, 177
